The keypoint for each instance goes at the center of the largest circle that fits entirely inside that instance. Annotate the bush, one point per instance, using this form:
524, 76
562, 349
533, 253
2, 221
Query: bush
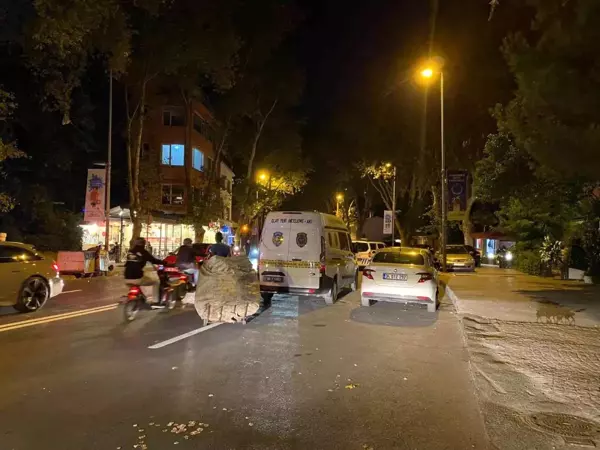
530, 262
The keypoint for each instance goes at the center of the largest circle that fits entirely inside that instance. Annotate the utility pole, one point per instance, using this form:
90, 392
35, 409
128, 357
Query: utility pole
394, 210
109, 161
444, 187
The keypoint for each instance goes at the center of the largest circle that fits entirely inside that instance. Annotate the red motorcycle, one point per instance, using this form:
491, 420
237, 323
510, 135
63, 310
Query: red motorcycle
171, 279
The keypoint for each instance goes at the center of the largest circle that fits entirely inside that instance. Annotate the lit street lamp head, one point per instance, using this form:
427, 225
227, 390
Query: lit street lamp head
339, 197
427, 73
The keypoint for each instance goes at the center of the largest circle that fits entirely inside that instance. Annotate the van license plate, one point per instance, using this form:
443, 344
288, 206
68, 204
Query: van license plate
395, 276
274, 279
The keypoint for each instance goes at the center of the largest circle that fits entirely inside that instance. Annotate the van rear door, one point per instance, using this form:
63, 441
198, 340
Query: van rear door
290, 250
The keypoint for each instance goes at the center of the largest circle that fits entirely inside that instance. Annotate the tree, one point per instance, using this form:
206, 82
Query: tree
554, 115
137, 40
8, 150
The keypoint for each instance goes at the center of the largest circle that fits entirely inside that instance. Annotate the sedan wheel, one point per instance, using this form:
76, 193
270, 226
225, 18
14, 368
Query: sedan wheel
33, 295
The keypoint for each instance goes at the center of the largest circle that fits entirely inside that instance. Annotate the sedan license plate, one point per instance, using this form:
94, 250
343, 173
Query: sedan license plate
274, 279
395, 276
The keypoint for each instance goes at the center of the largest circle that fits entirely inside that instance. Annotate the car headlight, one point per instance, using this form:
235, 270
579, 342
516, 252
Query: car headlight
491, 255
236, 248
508, 256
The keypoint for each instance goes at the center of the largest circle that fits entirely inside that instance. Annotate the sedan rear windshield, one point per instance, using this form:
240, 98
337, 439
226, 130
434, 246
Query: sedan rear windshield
399, 258
456, 250
361, 247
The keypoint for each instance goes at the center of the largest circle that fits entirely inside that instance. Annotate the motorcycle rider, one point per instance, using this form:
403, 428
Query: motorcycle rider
136, 259
220, 249
186, 259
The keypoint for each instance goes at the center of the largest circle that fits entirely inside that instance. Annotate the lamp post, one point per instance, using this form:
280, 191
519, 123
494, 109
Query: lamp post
388, 165
428, 73
262, 177
339, 198
109, 161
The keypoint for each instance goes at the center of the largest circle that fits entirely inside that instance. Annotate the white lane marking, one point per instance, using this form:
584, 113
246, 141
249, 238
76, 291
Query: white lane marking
184, 336
70, 292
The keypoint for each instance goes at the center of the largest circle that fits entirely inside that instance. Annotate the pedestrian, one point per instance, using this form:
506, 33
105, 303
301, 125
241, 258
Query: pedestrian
247, 247
220, 249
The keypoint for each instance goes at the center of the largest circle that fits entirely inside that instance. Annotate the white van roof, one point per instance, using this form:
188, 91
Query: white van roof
327, 220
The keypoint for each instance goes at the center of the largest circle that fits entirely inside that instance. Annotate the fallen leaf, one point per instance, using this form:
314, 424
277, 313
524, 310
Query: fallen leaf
352, 386
135, 425
250, 424
405, 378
174, 368
210, 395
170, 424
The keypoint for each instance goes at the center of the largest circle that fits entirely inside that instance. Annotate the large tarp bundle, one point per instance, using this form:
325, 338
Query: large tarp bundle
228, 290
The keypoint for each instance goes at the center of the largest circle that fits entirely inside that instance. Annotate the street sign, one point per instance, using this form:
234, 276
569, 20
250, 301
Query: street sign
95, 196
387, 222
457, 194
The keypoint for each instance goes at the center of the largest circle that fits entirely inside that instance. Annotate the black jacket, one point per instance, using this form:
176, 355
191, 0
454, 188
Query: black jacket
186, 255
136, 260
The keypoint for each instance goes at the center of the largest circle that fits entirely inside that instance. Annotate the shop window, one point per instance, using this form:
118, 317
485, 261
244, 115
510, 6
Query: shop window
197, 159
172, 194
173, 155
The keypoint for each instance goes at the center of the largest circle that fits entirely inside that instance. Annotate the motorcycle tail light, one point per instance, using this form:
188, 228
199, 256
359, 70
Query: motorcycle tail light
134, 291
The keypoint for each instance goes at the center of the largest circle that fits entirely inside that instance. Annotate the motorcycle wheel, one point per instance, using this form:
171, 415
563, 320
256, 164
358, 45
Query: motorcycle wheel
130, 310
180, 292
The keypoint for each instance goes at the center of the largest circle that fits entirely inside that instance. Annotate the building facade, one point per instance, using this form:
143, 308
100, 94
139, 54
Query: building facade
180, 137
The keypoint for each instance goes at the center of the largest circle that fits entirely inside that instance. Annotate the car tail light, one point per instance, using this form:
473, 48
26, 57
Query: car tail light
368, 273
322, 268
183, 277
55, 266
367, 294
312, 291
425, 276
425, 299
134, 291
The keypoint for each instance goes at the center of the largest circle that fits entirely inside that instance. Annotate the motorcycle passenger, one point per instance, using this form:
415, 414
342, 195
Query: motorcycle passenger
186, 259
136, 259
220, 249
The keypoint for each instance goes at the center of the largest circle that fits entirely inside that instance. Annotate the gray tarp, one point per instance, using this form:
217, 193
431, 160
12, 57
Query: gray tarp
228, 290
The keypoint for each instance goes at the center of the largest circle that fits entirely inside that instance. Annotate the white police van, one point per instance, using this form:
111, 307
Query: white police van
305, 253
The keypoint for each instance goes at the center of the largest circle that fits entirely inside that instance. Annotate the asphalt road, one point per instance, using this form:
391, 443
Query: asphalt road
299, 376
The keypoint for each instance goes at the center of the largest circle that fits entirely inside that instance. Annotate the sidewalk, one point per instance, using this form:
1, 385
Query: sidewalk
509, 295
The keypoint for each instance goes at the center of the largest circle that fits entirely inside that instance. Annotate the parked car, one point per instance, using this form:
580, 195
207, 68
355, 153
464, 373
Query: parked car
458, 257
306, 253
27, 278
476, 254
364, 251
401, 275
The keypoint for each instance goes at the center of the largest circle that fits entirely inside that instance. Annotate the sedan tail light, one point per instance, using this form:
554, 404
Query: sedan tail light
368, 273
55, 266
425, 276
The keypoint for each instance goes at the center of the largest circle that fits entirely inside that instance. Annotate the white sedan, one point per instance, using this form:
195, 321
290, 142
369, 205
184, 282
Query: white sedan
400, 275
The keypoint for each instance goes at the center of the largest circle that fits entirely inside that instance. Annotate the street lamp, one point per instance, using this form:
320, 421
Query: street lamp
428, 72
389, 165
339, 199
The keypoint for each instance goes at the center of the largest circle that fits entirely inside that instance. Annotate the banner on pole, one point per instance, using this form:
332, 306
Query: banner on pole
95, 196
387, 222
457, 194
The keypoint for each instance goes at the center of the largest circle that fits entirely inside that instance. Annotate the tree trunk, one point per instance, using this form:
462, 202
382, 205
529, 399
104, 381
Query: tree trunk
467, 225
199, 234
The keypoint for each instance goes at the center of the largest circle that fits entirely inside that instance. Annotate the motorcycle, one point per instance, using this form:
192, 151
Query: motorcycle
504, 259
170, 280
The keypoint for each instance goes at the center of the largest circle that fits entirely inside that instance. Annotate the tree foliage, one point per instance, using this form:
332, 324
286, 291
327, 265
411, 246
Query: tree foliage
8, 150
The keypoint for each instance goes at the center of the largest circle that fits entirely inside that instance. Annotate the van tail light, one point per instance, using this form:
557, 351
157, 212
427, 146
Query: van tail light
424, 299
368, 273
323, 251
134, 291
425, 276
322, 268
55, 267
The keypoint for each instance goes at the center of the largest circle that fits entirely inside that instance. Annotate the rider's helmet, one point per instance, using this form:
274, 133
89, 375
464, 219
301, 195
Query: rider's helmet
138, 242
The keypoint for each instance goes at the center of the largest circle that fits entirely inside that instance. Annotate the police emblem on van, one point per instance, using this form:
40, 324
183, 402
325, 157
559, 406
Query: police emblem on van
301, 239
277, 238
